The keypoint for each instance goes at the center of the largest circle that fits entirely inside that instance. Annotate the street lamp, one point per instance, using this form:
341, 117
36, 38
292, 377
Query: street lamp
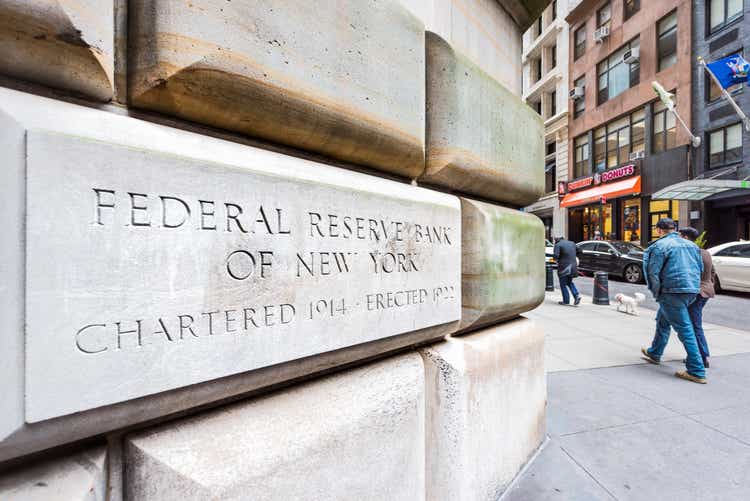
666, 98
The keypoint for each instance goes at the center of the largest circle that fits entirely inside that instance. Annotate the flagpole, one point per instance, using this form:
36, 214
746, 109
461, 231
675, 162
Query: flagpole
726, 94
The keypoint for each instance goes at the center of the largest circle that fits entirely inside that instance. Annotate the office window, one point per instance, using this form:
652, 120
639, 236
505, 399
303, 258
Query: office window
631, 7
722, 12
554, 10
667, 42
713, 90
617, 76
553, 103
550, 170
538, 107
581, 145
579, 105
725, 146
553, 57
664, 128
539, 26
615, 141
537, 69
604, 15
580, 42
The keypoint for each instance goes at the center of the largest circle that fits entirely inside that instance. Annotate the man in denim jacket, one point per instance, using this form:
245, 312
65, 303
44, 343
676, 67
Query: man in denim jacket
673, 267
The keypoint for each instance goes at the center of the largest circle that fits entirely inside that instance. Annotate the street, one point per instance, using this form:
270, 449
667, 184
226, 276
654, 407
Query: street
725, 309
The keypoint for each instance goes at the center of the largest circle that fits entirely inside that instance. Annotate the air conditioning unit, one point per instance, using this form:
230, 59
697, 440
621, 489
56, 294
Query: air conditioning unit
631, 56
601, 33
637, 155
576, 93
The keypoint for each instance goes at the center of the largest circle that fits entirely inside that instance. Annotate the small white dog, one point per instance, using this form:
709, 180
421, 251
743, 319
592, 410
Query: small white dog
630, 303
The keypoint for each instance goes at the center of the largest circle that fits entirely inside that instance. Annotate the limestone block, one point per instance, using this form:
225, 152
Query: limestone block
355, 435
79, 477
481, 138
151, 270
67, 44
502, 263
345, 79
485, 398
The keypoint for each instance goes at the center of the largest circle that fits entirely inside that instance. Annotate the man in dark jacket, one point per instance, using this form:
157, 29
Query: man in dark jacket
565, 253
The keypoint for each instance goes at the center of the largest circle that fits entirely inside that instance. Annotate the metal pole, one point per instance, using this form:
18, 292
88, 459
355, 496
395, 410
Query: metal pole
726, 95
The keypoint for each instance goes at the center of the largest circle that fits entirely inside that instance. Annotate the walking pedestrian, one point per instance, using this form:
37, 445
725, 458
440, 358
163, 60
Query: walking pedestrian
565, 253
673, 267
707, 292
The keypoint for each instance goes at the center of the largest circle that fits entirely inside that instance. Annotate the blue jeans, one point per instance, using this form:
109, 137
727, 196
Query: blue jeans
673, 312
696, 316
566, 283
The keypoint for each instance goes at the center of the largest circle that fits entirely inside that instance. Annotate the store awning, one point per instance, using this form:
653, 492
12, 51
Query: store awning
627, 186
698, 189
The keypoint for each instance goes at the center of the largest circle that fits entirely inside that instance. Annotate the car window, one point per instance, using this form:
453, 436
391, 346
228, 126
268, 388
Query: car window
602, 247
626, 247
742, 250
589, 246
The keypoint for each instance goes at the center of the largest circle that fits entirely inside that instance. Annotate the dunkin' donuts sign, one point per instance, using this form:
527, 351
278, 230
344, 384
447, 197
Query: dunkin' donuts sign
604, 177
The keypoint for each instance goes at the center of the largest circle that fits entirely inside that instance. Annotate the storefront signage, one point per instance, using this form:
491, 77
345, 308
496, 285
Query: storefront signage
580, 183
620, 172
562, 189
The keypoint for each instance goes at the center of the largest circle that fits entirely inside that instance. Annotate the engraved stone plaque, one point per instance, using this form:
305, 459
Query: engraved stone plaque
150, 269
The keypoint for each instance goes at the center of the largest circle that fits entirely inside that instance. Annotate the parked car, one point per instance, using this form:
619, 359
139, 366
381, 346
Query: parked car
549, 255
622, 259
732, 266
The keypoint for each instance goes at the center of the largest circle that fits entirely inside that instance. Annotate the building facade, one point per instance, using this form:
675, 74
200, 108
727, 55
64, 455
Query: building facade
720, 29
545, 89
623, 145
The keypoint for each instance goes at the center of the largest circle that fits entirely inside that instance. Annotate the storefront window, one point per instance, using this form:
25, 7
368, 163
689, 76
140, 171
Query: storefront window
662, 208
597, 222
631, 220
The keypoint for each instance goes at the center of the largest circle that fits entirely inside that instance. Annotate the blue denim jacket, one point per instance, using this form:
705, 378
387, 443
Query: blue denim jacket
673, 265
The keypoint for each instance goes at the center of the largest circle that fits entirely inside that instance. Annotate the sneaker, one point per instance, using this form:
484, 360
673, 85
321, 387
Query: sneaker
577, 300
563, 303
686, 375
647, 356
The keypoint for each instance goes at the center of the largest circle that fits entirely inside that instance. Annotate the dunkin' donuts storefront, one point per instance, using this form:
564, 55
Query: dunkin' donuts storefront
605, 206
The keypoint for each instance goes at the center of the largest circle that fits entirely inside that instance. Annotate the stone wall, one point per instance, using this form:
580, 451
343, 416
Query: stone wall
264, 250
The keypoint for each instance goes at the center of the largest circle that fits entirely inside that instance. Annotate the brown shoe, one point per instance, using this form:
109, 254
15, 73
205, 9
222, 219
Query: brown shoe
648, 357
690, 377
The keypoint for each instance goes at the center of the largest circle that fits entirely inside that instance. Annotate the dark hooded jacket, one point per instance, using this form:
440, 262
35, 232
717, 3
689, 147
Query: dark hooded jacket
565, 253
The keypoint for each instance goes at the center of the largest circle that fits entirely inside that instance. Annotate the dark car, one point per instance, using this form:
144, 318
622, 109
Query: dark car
622, 259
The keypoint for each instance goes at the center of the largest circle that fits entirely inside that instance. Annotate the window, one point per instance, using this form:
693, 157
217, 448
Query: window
550, 170
553, 103
658, 209
725, 146
538, 107
614, 142
714, 91
617, 76
580, 42
554, 10
588, 246
631, 7
742, 250
603, 16
539, 26
553, 57
664, 128
581, 145
579, 105
723, 12
667, 44
537, 69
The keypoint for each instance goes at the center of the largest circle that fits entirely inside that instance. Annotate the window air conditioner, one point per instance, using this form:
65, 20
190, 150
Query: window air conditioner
637, 155
576, 93
631, 56
601, 33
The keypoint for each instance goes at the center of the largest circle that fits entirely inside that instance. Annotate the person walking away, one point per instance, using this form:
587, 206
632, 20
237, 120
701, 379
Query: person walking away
673, 267
565, 253
707, 292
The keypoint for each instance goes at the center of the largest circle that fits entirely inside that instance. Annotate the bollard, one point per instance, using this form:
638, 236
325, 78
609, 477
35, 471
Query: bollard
601, 288
550, 285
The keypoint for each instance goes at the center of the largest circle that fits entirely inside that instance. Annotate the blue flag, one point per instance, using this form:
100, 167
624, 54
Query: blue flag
730, 70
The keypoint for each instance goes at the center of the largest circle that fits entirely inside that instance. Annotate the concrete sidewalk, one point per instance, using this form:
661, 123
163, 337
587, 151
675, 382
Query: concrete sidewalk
622, 429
